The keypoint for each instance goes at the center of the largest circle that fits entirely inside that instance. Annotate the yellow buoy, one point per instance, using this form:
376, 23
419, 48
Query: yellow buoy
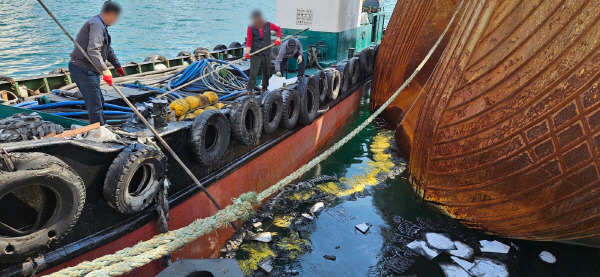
212, 96
190, 116
210, 108
204, 101
219, 105
198, 112
193, 101
179, 107
181, 118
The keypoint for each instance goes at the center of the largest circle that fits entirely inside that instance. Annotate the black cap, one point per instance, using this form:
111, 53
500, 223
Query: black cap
292, 43
110, 6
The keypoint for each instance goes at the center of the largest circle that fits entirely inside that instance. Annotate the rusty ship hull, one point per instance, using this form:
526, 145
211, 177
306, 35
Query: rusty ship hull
504, 134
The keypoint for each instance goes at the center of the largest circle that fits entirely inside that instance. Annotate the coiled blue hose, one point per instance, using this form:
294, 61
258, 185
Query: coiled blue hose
23, 104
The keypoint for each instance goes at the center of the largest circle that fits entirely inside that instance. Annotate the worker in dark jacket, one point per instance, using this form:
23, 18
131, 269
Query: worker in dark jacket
95, 40
291, 48
259, 37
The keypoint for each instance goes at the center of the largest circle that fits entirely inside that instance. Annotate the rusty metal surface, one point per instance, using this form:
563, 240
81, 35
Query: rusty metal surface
413, 29
508, 135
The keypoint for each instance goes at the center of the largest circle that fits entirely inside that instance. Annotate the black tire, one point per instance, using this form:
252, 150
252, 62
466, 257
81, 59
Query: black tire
155, 58
354, 71
210, 136
291, 109
308, 88
345, 77
321, 79
39, 179
334, 81
272, 109
133, 179
366, 62
235, 45
220, 47
246, 120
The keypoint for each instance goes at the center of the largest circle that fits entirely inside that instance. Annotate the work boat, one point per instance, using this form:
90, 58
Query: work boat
72, 192
503, 133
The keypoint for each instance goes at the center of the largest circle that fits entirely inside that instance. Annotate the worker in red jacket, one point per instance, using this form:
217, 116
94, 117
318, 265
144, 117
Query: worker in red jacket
259, 37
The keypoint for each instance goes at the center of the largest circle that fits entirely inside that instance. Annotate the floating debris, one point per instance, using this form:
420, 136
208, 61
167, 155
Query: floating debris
266, 265
547, 257
462, 250
256, 253
493, 247
340, 214
363, 227
452, 270
484, 267
307, 216
422, 248
257, 225
263, 237
466, 265
330, 257
317, 207
439, 241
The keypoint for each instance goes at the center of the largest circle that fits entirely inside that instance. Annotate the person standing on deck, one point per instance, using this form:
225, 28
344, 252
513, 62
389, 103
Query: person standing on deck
95, 39
258, 37
291, 48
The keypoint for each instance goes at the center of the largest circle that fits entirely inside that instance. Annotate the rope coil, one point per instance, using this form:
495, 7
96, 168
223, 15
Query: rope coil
125, 260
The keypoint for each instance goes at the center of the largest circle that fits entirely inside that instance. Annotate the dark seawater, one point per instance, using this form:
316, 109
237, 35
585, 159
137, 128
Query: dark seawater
31, 44
397, 218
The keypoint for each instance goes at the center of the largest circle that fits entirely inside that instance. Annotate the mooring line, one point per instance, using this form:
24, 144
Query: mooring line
125, 260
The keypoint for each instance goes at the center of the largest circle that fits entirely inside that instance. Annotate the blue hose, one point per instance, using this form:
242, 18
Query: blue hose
73, 114
77, 103
25, 104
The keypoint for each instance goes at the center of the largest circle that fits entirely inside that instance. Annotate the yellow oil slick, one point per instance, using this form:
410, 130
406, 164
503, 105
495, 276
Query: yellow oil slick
293, 245
257, 251
282, 221
329, 188
301, 195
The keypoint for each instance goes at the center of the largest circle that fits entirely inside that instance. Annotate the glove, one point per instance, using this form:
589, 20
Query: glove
120, 72
278, 74
107, 77
300, 59
278, 41
247, 56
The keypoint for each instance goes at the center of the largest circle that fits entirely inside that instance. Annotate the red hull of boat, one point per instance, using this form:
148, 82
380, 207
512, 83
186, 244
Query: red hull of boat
256, 175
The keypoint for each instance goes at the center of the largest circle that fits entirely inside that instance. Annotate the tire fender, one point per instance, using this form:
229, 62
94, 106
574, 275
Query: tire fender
321, 79
209, 137
308, 88
291, 109
69, 193
334, 80
245, 118
133, 179
353, 71
344, 76
272, 109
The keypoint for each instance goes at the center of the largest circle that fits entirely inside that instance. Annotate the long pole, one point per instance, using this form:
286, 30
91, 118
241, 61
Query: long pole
138, 114
230, 64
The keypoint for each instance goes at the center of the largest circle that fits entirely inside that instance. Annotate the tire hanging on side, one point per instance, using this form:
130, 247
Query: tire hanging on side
209, 137
291, 109
366, 62
245, 118
39, 179
321, 79
343, 69
308, 88
334, 80
272, 109
353, 71
133, 179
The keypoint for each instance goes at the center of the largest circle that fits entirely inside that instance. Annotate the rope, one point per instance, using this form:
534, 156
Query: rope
125, 260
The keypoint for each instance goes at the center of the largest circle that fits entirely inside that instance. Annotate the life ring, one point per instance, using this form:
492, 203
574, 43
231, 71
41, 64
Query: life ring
246, 120
334, 80
291, 109
272, 108
353, 71
209, 137
133, 179
321, 79
39, 180
343, 69
308, 88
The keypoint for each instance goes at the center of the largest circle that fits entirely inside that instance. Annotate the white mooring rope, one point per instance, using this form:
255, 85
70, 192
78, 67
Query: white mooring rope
127, 259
